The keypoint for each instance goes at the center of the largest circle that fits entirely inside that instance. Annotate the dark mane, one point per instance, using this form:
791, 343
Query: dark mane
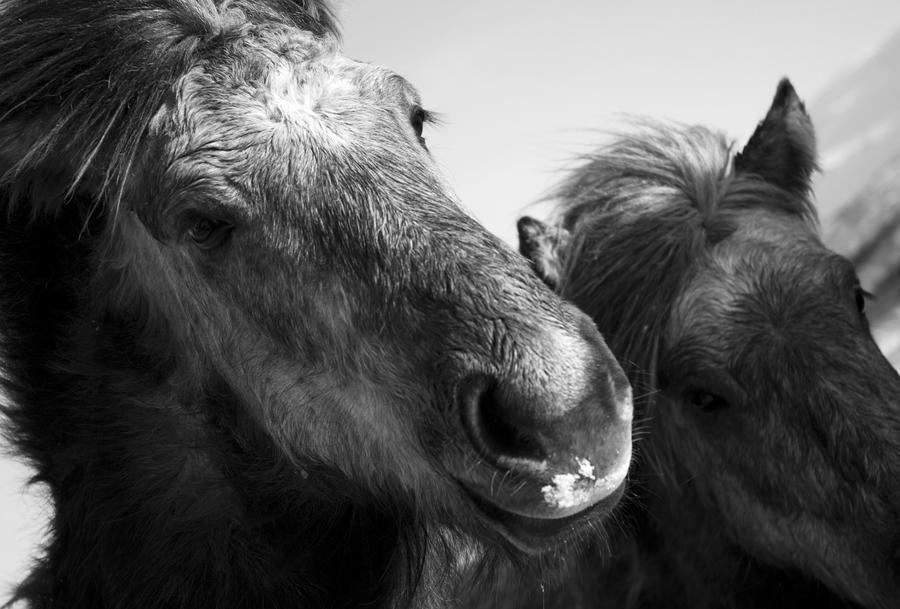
767, 415
625, 270
247, 332
105, 68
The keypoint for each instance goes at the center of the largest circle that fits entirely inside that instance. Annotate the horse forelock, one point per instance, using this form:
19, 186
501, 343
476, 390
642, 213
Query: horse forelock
644, 210
85, 79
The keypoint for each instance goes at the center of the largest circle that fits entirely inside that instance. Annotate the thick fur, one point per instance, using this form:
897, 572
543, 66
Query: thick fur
767, 433
268, 419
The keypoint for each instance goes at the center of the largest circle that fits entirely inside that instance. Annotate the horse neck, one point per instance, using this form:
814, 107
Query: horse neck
143, 523
163, 494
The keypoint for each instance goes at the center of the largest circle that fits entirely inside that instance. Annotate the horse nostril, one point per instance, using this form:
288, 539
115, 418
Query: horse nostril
497, 428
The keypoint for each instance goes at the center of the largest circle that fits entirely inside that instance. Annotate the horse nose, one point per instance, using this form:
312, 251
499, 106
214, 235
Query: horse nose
560, 444
502, 432
621, 403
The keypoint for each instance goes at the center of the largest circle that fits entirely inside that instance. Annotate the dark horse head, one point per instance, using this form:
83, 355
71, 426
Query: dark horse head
768, 473
255, 349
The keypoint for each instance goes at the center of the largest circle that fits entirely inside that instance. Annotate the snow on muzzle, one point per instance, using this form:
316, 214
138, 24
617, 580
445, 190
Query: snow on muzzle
552, 432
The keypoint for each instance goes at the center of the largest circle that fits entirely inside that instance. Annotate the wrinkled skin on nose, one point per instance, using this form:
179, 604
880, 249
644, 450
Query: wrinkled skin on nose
382, 295
546, 416
558, 454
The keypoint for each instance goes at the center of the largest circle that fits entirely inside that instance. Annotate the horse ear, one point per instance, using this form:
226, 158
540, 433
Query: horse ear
546, 248
782, 150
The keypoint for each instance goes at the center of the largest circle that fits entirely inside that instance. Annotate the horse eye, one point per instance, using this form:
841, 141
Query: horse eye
704, 401
417, 118
208, 234
861, 296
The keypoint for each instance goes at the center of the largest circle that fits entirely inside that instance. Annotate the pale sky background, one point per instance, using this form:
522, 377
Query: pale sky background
525, 85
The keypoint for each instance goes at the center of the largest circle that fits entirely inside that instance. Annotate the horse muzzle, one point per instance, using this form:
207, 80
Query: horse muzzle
553, 452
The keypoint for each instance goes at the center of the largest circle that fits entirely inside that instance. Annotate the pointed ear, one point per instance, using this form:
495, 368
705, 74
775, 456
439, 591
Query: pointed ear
545, 247
782, 150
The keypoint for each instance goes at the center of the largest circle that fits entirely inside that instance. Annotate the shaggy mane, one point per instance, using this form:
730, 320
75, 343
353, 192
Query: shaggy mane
91, 69
641, 210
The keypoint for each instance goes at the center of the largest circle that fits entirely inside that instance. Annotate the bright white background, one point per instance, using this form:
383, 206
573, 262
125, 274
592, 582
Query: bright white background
524, 85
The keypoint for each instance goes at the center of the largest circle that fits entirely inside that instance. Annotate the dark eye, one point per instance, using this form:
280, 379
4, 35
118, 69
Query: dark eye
861, 297
704, 401
208, 234
417, 118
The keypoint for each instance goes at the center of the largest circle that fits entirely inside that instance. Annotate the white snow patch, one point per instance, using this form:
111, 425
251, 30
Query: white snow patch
570, 490
563, 493
584, 487
585, 469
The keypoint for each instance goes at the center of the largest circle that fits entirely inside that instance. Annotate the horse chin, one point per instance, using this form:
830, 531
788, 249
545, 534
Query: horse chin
533, 536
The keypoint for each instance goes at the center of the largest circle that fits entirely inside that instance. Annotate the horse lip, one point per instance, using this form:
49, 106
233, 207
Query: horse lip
534, 535
565, 507
571, 492
553, 489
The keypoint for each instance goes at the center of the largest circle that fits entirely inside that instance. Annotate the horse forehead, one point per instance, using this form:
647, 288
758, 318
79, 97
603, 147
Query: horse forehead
325, 88
256, 114
772, 267
776, 244
766, 226
292, 83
